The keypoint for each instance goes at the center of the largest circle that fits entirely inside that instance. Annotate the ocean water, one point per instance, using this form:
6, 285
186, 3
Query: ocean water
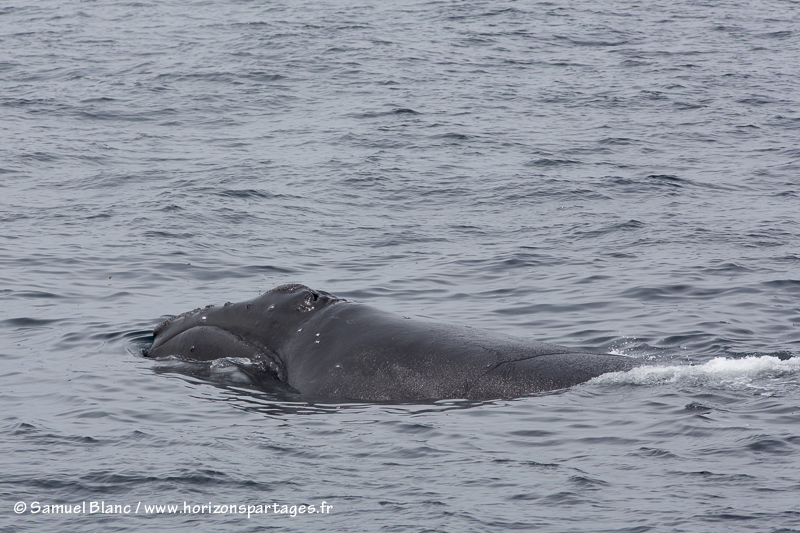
618, 176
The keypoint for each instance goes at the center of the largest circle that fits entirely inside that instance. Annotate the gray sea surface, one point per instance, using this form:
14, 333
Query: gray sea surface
618, 176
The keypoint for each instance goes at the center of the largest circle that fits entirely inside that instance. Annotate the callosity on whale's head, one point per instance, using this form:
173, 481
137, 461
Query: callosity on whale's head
283, 308
297, 298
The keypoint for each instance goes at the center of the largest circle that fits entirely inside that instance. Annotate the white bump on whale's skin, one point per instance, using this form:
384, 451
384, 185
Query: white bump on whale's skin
373, 355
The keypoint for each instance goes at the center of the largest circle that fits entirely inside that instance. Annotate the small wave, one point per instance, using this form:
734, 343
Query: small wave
720, 371
224, 369
230, 369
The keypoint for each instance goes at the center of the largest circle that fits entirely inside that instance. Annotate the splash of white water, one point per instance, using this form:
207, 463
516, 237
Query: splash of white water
720, 370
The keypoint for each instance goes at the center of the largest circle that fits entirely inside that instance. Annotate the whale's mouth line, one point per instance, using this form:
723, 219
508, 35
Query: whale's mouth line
273, 360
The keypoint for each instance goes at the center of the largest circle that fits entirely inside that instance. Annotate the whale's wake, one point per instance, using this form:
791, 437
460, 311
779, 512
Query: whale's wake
754, 372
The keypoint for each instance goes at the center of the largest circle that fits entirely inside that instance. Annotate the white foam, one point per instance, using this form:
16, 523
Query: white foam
720, 370
228, 369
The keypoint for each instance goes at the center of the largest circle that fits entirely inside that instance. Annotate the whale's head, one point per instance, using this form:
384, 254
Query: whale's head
262, 324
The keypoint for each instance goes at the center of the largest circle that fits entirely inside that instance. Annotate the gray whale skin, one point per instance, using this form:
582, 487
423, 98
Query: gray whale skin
328, 348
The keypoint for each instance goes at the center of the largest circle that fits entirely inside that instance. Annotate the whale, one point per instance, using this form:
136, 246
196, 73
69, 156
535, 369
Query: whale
324, 347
